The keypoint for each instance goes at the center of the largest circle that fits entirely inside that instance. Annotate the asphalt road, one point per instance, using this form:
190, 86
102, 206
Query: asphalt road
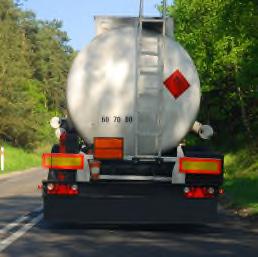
29, 235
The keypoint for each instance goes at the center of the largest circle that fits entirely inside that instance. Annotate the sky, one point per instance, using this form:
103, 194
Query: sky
77, 15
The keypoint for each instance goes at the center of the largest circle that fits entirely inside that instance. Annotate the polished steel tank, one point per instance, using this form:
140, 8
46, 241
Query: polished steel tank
101, 86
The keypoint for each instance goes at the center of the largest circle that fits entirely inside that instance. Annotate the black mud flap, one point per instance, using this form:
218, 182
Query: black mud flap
129, 203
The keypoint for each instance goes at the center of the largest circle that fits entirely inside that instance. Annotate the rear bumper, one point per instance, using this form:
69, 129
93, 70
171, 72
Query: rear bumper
129, 203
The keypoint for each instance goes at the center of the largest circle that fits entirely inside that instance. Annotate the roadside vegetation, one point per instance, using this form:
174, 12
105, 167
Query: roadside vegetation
222, 38
241, 181
17, 159
34, 61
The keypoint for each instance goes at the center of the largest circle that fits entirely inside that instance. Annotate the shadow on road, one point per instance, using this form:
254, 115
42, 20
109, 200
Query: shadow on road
221, 239
12, 208
171, 228
228, 237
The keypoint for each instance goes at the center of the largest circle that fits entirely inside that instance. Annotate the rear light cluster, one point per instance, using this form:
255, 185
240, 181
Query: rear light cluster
62, 189
200, 192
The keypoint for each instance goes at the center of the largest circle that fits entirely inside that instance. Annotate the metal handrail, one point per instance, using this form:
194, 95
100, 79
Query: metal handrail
141, 8
164, 11
164, 8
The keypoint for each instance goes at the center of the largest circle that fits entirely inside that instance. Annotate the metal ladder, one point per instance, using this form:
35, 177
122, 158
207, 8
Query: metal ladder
149, 84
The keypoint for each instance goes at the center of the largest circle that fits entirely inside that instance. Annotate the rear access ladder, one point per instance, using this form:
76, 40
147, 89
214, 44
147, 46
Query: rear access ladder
149, 83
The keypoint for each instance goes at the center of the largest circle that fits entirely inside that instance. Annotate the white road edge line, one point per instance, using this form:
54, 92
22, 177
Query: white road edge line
17, 222
12, 238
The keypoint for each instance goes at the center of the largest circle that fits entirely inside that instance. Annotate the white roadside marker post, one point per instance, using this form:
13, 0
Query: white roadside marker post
2, 158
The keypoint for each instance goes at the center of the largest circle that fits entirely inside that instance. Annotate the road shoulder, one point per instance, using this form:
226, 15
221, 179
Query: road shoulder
16, 173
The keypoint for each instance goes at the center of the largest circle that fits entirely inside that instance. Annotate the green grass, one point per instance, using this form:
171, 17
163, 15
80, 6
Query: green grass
17, 159
241, 180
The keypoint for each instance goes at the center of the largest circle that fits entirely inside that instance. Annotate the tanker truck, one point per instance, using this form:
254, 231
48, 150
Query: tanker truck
133, 94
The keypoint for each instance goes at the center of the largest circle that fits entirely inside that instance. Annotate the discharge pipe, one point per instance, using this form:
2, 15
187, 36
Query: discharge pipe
204, 131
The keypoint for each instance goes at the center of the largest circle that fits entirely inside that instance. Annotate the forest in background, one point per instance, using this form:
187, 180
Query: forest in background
35, 57
221, 37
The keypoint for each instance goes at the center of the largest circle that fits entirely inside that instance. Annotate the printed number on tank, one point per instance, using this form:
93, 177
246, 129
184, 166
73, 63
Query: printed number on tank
116, 119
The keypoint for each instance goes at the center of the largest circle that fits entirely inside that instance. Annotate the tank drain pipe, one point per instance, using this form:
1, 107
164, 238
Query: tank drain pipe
204, 131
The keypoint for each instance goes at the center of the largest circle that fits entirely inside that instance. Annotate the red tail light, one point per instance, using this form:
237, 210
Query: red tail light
61, 189
221, 191
198, 192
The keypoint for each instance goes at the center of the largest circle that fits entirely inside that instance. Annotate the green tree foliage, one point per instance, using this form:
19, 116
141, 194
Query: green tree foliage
222, 38
34, 62
51, 59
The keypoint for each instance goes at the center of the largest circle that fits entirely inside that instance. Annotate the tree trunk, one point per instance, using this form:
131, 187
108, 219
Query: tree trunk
245, 119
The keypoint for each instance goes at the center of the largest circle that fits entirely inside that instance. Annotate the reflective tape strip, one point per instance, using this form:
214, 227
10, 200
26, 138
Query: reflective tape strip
62, 161
192, 165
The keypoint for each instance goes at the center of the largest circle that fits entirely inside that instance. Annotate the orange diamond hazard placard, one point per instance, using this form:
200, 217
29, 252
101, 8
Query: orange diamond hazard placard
176, 84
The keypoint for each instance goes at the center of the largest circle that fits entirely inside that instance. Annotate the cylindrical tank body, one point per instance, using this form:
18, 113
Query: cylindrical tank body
101, 90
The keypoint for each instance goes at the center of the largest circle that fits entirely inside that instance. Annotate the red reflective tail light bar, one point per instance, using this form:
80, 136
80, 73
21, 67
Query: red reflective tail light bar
63, 161
62, 189
193, 165
198, 192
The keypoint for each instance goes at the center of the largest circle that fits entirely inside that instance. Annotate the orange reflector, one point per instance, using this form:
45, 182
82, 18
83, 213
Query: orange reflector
108, 148
95, 169
108, 142
62, 161
192, 165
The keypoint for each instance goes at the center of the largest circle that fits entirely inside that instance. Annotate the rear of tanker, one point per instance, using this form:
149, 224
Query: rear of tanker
133, 94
